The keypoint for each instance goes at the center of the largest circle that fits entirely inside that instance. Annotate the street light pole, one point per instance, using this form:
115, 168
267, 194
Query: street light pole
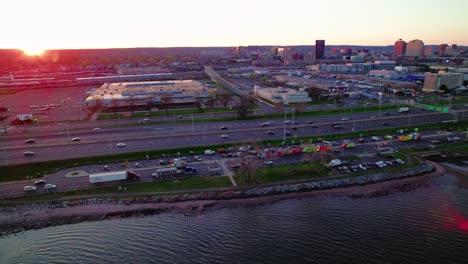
192, 122
6, 157
380, 101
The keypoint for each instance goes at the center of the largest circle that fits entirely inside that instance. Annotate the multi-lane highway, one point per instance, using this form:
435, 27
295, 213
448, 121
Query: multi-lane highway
55, 141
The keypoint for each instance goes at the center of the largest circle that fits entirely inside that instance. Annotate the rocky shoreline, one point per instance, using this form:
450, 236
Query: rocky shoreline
14, 219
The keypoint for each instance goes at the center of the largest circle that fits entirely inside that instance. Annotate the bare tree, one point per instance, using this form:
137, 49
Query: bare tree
300, 108
244, 105
96, 107
211, 102
114, 106
166, 100
198, 105
225, 99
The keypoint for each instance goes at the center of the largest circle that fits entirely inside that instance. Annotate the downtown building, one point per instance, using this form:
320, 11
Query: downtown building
319, 49
414, 48
399, 49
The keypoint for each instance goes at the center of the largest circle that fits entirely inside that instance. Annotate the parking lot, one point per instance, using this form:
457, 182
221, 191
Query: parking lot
50, 104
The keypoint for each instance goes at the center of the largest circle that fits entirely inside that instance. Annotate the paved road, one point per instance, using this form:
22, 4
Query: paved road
57, 144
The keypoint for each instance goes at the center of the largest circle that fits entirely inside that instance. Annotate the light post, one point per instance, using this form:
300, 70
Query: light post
192, 122
380, 101
6, 157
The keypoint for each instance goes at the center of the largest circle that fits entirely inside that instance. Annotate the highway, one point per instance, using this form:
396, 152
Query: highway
55, 141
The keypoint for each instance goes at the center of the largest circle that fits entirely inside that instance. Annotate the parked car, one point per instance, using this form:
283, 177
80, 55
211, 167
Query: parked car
163, 162
388, 137
268, 162
197, 158
375, 138
309, 122
30, 188
269, 132
222, 151
209, 152
180, 117
399, 161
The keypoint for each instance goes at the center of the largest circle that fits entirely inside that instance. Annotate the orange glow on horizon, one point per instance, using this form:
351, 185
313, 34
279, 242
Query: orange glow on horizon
33, 51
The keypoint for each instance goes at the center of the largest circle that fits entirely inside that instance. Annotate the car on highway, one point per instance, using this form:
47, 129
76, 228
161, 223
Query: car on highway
30, 188
375, 138
30, 141
28, 153
265, 124
287, 121
223, 128
138, 165
222, 151
106, 168
97, 129
345, 119
268, 162
337, 126
180, 117
121, 145
372, 117
163, 162
146, 120
197, 158
293, 128
224, 136
388, 137
361, 140
385, 124
269, 132
386, 113
287, 133
39, 182
76, 139
309, 122
209, 152
49, 187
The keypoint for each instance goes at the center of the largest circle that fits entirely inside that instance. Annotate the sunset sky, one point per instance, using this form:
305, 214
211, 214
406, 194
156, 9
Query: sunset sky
49, 24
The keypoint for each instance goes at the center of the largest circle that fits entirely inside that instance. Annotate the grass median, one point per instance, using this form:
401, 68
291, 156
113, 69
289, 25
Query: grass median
192, 183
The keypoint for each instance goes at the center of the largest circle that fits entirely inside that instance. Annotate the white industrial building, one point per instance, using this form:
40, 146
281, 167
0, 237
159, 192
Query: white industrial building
184, 91
282, 95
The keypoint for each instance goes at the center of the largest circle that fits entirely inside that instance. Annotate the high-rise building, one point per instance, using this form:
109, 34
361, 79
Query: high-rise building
414, 48
428, 51
400, 48
319, 49
441, 49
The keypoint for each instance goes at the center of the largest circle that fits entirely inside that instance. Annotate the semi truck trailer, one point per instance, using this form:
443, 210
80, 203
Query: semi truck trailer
113, 176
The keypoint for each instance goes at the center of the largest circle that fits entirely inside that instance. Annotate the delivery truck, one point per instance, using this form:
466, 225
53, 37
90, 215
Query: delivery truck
96, 178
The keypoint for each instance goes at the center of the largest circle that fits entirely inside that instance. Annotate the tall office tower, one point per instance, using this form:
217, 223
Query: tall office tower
441, 49
428, 51
400, 48
319, 49
414, 48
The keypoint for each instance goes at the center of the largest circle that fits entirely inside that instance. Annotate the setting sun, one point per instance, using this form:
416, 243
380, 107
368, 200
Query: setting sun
33, 51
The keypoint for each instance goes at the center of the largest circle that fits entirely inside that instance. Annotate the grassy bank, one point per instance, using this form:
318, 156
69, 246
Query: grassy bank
284, 173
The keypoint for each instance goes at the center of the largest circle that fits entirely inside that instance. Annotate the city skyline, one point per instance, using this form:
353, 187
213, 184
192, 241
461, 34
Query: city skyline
117, 24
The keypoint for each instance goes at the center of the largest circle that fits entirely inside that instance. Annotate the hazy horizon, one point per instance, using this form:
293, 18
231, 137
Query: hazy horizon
87, 24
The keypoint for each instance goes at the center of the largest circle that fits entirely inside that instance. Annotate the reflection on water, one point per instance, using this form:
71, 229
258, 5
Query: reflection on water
423, 225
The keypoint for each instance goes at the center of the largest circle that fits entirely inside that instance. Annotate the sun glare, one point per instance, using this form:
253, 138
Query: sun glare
33, 51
